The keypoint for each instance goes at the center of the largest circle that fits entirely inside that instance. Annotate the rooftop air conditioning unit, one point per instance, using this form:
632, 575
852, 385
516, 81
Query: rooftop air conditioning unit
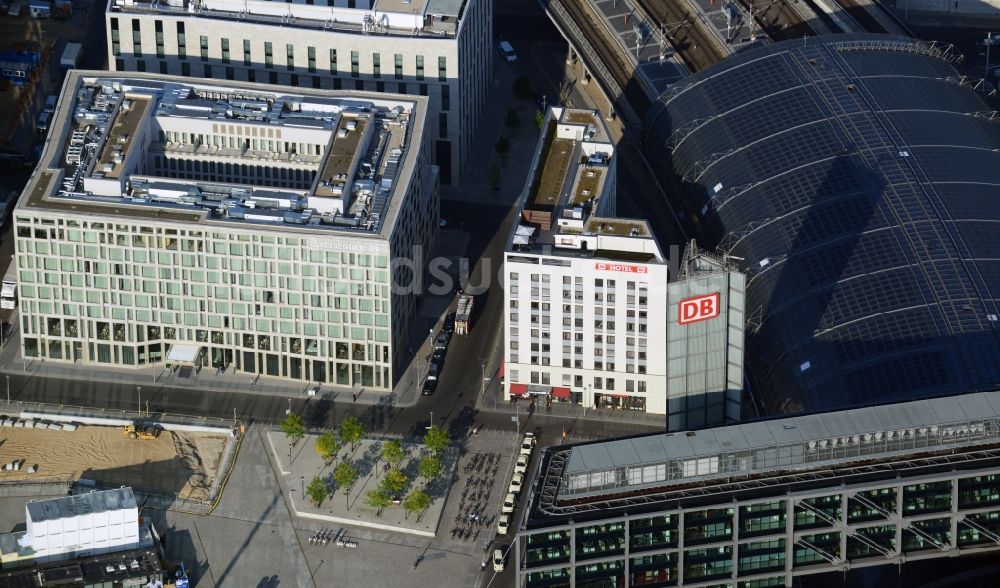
811, 445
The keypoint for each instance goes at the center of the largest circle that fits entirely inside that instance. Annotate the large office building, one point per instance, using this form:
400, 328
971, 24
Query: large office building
271, 229
765, 503
436, 48
857, 180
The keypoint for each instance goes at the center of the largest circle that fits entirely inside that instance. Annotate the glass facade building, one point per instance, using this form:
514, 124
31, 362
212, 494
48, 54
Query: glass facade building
246, 276
742, 507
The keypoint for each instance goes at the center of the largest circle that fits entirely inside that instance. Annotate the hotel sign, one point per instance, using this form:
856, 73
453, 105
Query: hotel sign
621, 267
341, 246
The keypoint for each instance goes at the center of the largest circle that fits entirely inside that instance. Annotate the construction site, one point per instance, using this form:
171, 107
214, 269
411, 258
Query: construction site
154, 461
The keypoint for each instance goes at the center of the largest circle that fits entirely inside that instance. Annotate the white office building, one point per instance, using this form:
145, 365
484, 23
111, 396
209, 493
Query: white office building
584, 309
441, 49
264, 228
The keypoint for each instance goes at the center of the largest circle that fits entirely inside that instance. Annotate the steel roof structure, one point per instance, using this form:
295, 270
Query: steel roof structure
646, 471
858, 177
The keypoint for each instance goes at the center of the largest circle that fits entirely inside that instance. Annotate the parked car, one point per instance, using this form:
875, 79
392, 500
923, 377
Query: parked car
50, 103
443, 338
509, 502
507, 51
522, 464
515, 484
437, 359
430, 384
497, 560
528, 444
43, 122
449, 324
503, 523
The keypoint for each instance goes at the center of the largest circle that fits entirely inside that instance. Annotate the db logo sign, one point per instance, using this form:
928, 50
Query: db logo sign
699, 308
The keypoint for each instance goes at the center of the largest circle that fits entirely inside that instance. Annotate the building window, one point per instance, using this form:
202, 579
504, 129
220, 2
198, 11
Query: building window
442, 125
423, 89
337, 83
290, 56
402, 87
380, 86
268, 55
333, 62
140, 65
377, 65
116, 47
185, 69
272, 77
163, 67
359, 84
399, 66
246, 53
315, 82
311, 52
136, 39
294, 82
446, 98
181, 42
420, 67
204, 48
355, 70
225, 51
442, 69
251, 75
230, 73
207, 71
158, 26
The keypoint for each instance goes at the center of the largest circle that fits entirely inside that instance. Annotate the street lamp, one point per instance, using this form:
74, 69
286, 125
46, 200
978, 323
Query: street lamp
302, 479
8, 388
482, 385
138, 393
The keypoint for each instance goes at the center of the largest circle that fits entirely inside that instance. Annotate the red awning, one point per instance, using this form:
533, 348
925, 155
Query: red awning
503, 364
518, 389
620, 396
562, 393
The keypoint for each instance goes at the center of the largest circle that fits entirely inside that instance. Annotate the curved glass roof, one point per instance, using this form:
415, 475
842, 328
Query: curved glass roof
866, 172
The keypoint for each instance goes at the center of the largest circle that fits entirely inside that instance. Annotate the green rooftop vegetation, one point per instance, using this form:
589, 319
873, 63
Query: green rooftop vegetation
605, 226
586, 187
556, 154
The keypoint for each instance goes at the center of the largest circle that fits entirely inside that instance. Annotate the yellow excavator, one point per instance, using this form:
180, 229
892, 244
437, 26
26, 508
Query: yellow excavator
138, 431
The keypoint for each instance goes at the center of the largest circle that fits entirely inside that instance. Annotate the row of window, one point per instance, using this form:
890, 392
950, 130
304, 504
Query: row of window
268, 53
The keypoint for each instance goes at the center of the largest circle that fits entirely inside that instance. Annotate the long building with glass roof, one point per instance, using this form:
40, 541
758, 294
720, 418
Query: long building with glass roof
856, 179
762, 503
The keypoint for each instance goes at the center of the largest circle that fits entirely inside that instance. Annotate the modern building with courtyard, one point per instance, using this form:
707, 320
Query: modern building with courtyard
763, 503
590, 317
441, 49
265, 228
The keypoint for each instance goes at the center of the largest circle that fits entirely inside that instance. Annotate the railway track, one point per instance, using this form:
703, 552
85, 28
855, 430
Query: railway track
617, 65
696, 47
778, 19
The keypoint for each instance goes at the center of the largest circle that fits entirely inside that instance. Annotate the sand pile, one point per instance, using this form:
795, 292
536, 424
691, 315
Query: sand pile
174, 463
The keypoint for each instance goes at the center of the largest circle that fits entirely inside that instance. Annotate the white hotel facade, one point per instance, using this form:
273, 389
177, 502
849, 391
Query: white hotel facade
585, 290
222, 223
441, 49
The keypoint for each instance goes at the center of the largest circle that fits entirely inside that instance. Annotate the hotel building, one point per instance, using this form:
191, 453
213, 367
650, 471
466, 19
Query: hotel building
227, 224
441, 49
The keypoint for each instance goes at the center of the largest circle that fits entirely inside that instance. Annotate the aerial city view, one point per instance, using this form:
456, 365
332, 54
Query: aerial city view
500, 293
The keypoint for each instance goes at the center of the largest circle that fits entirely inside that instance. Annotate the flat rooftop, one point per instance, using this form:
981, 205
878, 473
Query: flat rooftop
81, 504
568, 195
410, 18
161, 147
644, 467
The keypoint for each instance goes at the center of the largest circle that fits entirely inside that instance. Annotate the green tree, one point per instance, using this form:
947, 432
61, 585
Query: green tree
292, 428
436, 440
494, 177
430, 467
345, 475
327, 445
502, 146
352, 431
522, 88
392, 452
378, 499
539, 118
512, 120
394, 483
317, 491
416, 501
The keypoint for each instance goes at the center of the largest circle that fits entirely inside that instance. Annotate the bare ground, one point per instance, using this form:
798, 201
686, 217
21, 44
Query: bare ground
175, 463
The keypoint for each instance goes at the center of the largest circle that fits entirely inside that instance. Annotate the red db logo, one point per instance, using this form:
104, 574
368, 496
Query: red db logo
699, 308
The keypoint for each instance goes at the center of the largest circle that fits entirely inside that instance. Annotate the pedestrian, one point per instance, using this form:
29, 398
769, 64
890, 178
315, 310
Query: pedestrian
354, 395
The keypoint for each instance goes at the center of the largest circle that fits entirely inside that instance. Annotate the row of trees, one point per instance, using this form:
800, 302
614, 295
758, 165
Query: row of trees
393, 484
